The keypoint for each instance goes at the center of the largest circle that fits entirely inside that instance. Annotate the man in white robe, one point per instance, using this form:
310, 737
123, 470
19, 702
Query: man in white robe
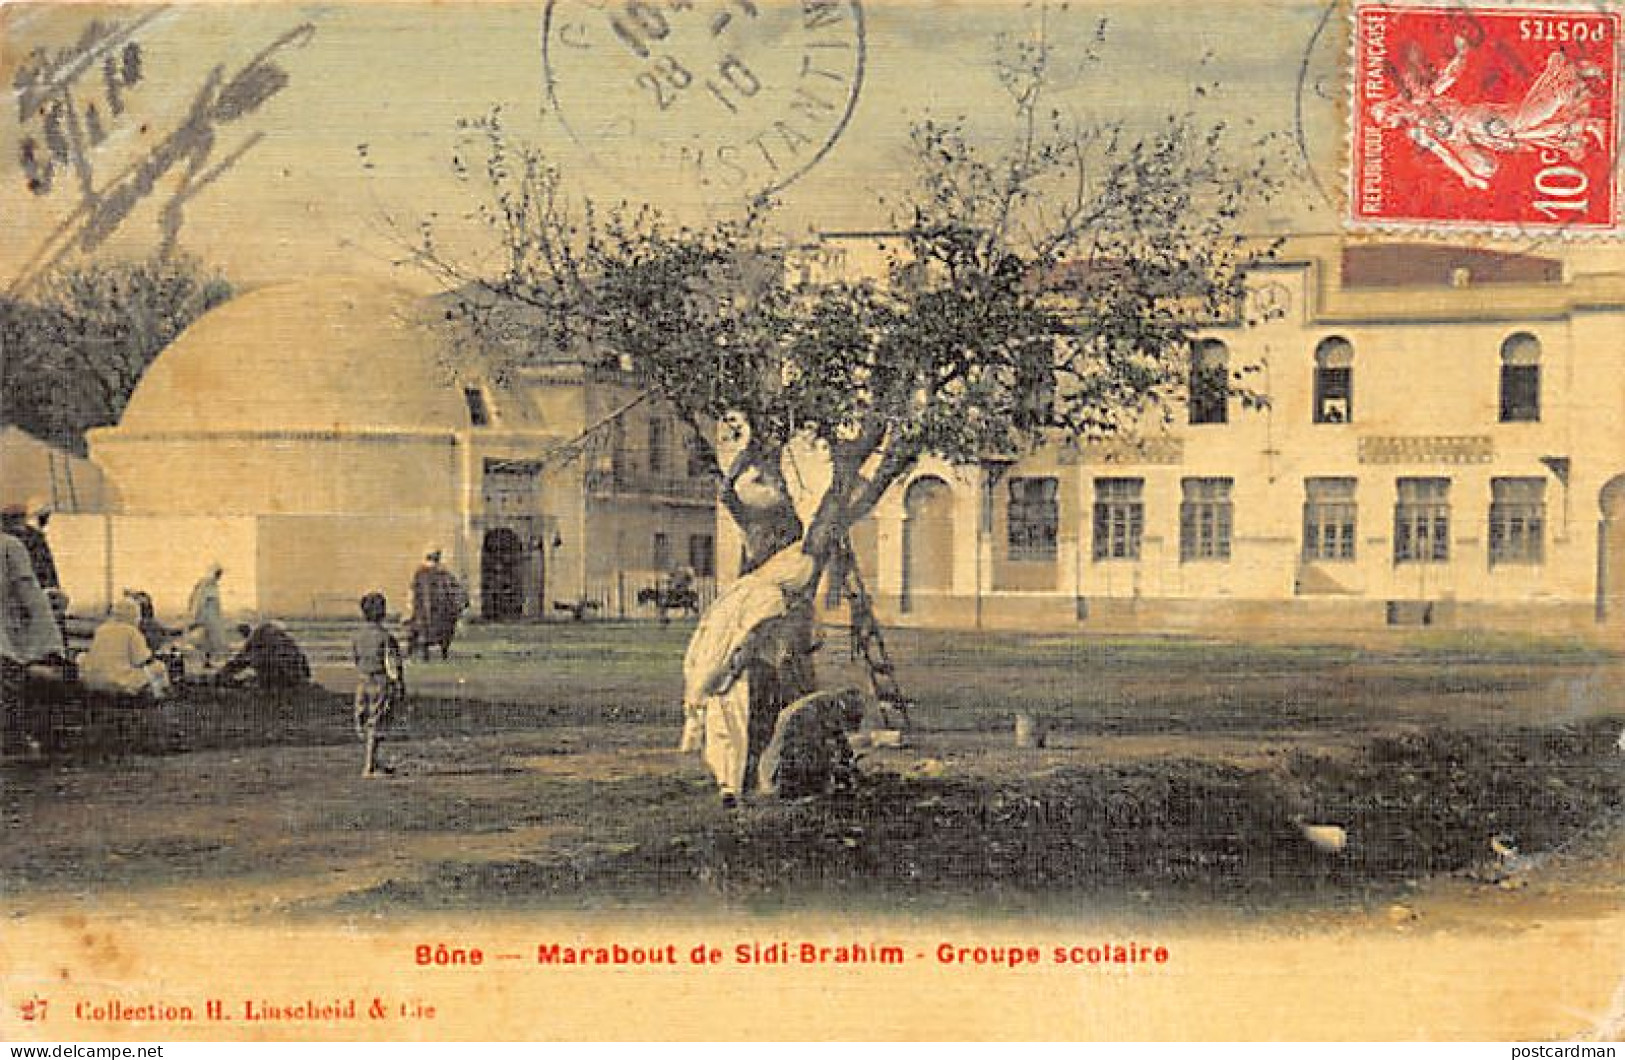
28, 635
207, 632
739, 628
119, 661
28, 630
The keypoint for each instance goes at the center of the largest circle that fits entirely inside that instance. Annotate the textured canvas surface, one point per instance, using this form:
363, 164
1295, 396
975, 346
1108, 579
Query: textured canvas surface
1295, 718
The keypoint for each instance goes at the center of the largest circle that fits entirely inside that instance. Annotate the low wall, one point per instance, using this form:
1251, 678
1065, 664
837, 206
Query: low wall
100, 556
286, 566
320, 566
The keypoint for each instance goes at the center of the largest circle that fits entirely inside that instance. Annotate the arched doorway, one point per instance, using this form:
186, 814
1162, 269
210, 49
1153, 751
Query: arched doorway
928, 541
502, 576
1611, 551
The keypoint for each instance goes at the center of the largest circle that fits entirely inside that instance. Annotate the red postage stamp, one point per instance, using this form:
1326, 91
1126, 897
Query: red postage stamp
1485, 118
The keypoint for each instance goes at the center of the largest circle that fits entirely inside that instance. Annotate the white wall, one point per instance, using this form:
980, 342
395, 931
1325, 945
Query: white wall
161, 555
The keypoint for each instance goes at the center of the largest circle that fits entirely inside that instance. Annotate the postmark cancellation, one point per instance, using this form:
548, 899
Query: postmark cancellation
736, 99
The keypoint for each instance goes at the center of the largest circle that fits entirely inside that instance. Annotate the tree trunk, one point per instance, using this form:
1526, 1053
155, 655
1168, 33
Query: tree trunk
762, 626
778, 678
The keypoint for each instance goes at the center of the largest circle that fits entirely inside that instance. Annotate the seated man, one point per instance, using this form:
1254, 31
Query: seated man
119, 661
156, 633
272, 654
810, 753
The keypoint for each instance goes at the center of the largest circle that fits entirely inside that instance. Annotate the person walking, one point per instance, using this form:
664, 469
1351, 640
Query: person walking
380, 680
438, 601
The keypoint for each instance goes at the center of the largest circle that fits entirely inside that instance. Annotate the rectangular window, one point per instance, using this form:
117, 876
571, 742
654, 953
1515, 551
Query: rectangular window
1422, 521
1520, 393
660, 557
1205, 514
1334, 395
1210, 383
1517, 520
1035, 518
1119, 517
478, 414
1328, 519
698, 464
659, 446
702, 554
620, 459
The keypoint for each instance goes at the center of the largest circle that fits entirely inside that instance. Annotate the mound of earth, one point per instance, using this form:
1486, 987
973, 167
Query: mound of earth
1412, 805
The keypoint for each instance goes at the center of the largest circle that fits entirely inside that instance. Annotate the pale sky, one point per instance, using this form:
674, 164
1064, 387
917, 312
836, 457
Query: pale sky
397, 77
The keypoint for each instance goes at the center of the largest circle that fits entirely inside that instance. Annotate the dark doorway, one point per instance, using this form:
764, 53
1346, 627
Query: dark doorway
502, 561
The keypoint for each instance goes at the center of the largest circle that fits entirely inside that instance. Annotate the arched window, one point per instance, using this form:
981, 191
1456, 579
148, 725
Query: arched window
1210, 382
1334, 381
1520, 379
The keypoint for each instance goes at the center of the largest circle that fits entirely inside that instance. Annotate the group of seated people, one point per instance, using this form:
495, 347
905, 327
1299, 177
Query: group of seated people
133, 654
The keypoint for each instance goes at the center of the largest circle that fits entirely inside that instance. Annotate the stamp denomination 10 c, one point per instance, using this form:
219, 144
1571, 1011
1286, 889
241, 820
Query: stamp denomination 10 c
1492, 119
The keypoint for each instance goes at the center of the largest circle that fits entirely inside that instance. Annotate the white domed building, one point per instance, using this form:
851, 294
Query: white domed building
316, 439
310, 400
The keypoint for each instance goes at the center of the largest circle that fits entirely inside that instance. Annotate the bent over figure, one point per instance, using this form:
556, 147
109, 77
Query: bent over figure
810, 753
740, 641
274, 656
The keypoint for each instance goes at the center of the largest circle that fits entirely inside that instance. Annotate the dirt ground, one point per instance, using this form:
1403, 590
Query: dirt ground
537, 770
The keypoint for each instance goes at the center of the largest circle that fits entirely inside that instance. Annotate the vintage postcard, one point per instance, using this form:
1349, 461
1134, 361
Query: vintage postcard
812, 519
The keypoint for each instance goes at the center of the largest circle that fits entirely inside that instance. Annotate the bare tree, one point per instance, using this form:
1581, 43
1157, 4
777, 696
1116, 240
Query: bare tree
1047, 287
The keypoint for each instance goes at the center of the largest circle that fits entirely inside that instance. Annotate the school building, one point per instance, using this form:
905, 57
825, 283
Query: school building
1442, 443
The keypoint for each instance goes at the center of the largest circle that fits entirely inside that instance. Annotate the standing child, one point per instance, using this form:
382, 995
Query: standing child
381, 681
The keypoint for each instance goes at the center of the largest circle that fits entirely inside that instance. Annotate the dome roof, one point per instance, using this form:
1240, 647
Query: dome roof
320, 355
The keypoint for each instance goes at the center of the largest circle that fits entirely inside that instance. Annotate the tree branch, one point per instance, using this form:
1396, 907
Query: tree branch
895, 461
568, 450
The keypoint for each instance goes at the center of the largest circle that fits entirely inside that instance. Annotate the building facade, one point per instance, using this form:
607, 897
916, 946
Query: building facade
316, 439
1439, 442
